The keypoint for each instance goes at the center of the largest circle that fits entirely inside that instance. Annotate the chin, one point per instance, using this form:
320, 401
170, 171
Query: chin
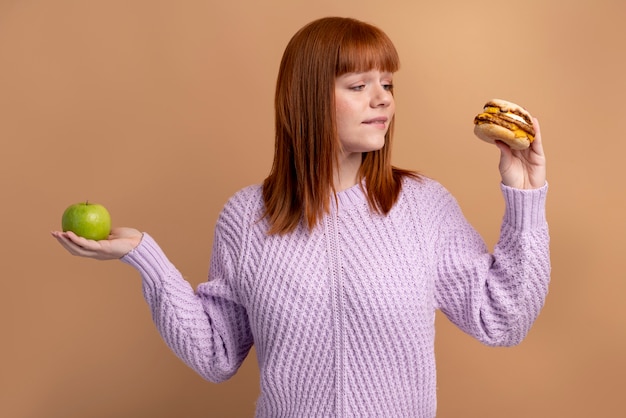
367, 144
378, 145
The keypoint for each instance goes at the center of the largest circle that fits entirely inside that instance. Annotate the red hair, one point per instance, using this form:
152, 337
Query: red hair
300, 183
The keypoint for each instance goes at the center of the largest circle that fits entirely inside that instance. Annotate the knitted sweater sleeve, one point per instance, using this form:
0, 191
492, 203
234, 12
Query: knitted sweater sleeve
207, 330
495, 297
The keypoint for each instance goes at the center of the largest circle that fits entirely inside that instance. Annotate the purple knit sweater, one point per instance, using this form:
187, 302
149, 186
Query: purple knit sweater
342, 317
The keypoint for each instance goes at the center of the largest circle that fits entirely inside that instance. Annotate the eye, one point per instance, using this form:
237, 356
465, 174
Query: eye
388, 86
358, 88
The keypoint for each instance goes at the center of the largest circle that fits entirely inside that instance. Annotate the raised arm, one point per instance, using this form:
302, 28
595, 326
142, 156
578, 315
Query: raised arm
497, 296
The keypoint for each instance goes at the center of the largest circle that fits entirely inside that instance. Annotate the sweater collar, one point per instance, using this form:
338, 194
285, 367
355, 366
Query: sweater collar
352, 196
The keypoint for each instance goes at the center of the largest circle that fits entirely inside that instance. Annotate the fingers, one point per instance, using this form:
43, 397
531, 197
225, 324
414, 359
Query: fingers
504, 148
67, 243
71, 239
537, 144
81, 247
74, 244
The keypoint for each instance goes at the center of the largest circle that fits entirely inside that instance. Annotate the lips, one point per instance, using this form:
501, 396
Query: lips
380, 120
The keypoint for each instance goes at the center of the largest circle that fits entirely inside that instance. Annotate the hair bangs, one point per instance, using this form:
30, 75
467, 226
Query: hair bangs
364, 48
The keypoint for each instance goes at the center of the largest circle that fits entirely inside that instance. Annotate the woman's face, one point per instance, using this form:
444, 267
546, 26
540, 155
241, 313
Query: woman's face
365, 107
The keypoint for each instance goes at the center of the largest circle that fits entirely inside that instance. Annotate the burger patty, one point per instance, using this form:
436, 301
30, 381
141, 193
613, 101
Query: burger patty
505, 121
504, 108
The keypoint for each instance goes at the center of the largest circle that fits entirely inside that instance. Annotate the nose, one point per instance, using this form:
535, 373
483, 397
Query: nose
381, 97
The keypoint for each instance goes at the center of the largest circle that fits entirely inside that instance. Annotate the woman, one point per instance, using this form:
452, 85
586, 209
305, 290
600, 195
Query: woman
334, 267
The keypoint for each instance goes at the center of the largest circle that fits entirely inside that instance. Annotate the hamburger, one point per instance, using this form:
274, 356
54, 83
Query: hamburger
504, 121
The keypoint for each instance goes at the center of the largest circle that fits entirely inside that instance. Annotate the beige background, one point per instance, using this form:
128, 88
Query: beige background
160, 110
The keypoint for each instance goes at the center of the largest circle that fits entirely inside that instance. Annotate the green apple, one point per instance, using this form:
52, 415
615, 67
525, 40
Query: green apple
88, 220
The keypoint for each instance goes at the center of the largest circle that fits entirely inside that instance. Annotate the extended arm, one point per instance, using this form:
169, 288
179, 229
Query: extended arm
208, 331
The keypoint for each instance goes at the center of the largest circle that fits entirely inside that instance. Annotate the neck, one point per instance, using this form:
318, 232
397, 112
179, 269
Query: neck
347, 171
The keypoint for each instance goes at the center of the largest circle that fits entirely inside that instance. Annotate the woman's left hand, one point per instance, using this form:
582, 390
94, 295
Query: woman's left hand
523, 169
117, 245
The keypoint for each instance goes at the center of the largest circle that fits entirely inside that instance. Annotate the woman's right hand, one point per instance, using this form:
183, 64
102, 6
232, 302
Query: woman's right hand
119, 243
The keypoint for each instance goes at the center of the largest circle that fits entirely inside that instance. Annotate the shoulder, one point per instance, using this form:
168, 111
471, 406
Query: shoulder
426, 201
423, 189
241, 216
244, 203
248, 195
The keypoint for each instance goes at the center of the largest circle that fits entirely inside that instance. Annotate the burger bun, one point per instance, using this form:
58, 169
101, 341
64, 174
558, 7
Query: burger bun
505, 121
491, 133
